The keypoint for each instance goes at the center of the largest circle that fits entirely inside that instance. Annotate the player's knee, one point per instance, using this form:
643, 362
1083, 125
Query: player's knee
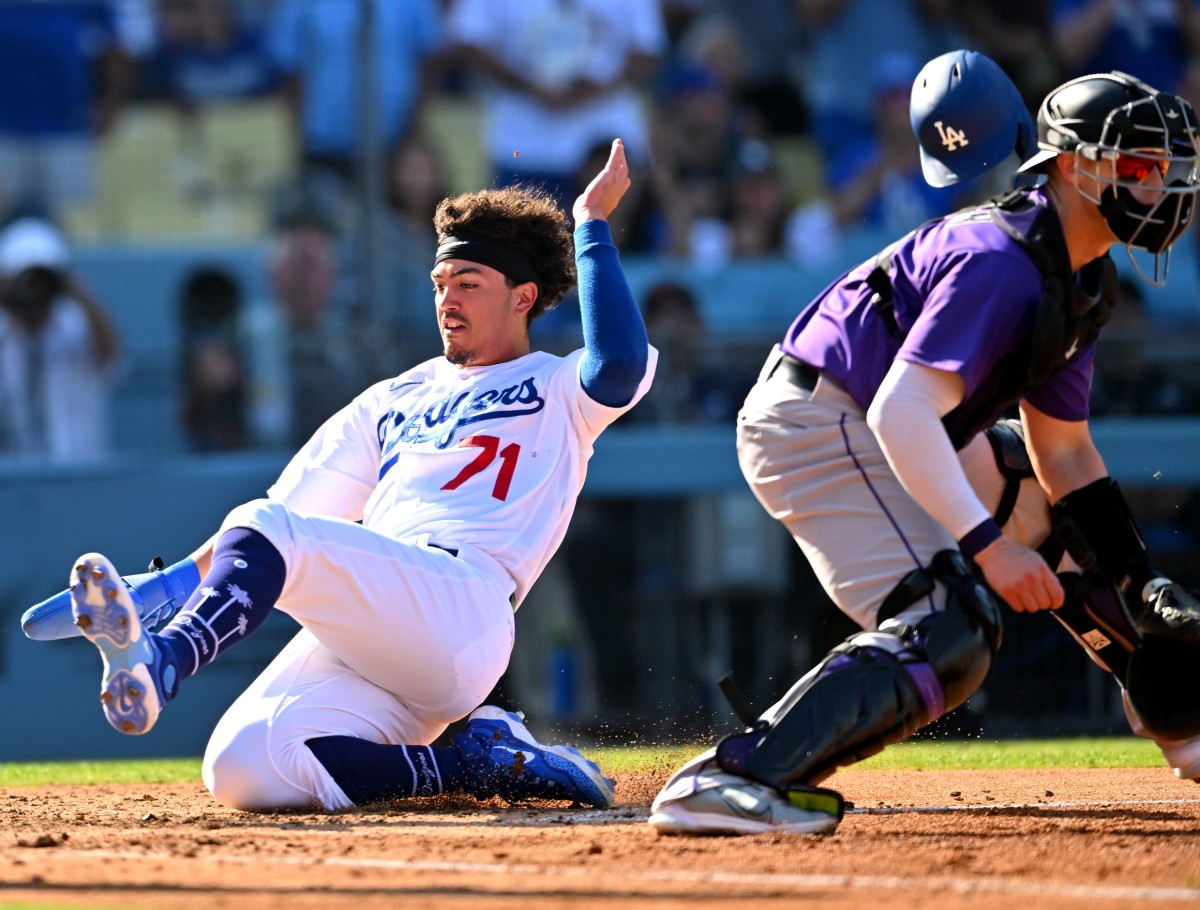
242, 771
959, 641
271, 519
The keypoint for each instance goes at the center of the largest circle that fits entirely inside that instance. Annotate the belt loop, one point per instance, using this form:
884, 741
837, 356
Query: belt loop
771, 365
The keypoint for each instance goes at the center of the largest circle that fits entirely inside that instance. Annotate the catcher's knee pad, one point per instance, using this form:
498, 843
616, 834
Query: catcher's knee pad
1161, 682
876, 688
1007, 439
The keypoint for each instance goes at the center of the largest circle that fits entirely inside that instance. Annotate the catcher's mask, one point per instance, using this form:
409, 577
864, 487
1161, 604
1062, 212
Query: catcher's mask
1143, 146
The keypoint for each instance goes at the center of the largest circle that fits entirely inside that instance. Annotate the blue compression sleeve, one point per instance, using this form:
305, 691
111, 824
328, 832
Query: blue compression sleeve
614, 334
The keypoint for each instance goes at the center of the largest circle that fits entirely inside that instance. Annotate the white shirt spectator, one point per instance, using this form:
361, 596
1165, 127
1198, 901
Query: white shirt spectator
556, 43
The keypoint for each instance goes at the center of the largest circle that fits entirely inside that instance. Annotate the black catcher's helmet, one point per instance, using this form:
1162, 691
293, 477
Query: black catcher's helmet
1127, 128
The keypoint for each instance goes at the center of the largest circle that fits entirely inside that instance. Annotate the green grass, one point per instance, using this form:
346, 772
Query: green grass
930, 755
160, 771
1109, 752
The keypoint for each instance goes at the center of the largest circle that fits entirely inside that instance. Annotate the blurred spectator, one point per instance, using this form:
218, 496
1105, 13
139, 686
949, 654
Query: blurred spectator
416, 183
691, 386
698, 133
760, 204
759, 56
317, 45
1016, 34
562, 76
1153, 40
214, 371
57, 351
207, 52
844, 40
877, 184
301, 357
1130, 380
67, 68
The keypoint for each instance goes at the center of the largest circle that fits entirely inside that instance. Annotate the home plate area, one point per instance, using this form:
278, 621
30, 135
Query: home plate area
930, 839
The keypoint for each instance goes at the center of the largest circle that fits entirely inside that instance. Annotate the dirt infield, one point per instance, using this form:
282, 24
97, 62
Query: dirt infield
1036, 839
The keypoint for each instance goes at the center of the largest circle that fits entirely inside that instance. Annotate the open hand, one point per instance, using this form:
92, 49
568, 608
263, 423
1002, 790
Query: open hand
601, 196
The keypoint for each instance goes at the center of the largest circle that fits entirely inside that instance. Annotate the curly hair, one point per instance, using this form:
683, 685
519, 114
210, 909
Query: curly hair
527, 219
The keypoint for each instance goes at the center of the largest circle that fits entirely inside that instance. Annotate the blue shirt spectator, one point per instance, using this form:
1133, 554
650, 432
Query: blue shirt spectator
1150, 39
48, 53
844, 39
208, 52
65, 76
316, 44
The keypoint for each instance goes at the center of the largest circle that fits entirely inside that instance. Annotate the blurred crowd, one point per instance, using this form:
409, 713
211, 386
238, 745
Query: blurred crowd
765, 129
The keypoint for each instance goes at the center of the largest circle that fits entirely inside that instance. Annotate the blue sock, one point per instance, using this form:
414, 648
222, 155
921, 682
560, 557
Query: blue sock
371, 772
235, 597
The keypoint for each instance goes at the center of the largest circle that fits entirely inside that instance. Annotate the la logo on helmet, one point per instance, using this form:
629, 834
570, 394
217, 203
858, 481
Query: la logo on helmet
951, 138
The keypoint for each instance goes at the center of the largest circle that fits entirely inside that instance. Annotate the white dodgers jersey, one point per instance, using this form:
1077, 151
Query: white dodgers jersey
491, 456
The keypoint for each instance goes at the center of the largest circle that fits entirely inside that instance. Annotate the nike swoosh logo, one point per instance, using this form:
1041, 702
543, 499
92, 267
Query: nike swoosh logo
399, 385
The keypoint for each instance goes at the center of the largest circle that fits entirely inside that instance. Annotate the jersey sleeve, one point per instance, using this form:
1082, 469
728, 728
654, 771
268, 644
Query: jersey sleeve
337, 469
589, 415
975, 312
1066, 395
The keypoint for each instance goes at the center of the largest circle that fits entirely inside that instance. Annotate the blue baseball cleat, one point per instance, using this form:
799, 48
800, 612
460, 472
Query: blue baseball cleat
132, 691
503, 759
157, 594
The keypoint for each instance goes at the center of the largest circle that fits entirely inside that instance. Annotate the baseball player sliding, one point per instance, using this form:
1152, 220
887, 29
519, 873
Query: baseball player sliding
402, 537
872, 435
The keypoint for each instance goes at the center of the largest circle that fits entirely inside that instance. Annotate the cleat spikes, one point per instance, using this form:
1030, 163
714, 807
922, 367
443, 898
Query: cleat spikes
131, 690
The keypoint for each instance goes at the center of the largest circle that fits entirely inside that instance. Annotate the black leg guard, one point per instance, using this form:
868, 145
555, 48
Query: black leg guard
1095, 614
1098, 530
876, 688
1160, 675
1162, 681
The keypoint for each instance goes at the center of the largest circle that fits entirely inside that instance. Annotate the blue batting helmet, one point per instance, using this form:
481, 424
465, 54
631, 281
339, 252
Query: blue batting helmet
968, 117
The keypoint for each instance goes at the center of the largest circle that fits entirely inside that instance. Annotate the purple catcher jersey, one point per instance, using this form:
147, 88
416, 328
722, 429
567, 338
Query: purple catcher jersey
965, 296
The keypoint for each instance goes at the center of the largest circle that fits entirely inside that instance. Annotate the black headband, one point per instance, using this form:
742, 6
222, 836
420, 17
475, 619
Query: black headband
500, 256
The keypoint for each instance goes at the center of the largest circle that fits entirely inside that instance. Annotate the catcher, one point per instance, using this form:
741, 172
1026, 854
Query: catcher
872, 436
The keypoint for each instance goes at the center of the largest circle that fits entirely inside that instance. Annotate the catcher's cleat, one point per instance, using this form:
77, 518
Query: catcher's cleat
503, 759
132, 691
703, 799
1170, 612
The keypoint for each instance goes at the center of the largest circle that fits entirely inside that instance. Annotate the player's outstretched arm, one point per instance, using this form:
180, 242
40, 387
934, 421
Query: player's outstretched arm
614, 335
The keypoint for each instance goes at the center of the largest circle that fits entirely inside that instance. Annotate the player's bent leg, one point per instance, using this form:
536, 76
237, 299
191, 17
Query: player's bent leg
875, 689
257, 757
